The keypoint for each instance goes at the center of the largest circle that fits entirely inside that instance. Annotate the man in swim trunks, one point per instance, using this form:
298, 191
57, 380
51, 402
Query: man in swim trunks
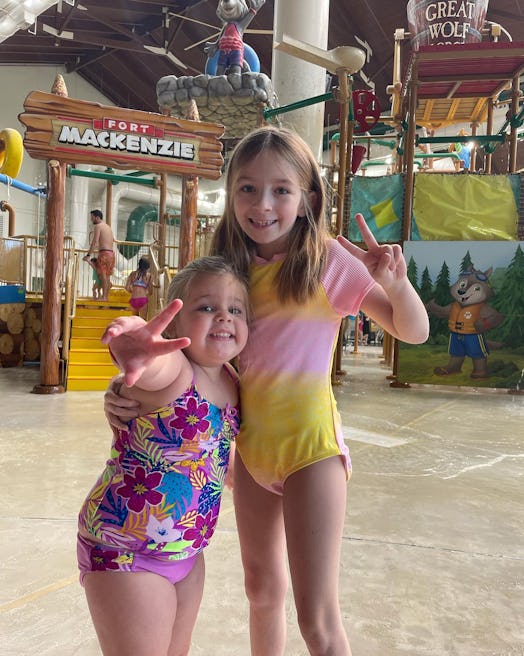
102, 242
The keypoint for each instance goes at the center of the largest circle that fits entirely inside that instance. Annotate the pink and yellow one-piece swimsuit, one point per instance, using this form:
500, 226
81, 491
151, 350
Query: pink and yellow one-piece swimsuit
289, 414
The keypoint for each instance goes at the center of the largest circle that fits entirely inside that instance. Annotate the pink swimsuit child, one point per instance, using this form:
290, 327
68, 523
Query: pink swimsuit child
138, 302
156, 504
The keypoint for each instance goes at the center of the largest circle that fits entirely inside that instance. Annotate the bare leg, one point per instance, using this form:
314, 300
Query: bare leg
106, 285
143, 311
262, 544
314, 511
133, 613
139, 612
189, 593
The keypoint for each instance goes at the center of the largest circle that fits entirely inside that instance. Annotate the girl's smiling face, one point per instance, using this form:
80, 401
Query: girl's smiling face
214, 316
267, 199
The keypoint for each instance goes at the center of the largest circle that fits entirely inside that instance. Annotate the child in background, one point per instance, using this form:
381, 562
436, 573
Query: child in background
154, 508
97, 283
292, 462
139, 284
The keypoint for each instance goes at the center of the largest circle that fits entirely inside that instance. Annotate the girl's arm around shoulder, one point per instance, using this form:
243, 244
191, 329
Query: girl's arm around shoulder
147, 360
392, 302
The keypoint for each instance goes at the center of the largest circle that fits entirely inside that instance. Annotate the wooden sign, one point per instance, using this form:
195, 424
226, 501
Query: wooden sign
78, 131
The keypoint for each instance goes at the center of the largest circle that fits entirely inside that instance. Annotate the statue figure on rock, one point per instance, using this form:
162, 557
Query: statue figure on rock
236, 15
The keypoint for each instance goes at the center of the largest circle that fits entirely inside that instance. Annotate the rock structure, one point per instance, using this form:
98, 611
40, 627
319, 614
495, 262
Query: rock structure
235, 101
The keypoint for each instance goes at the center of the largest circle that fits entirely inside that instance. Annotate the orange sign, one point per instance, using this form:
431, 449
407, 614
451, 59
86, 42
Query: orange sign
77, 131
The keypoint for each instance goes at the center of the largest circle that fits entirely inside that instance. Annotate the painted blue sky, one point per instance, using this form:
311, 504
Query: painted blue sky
484, 254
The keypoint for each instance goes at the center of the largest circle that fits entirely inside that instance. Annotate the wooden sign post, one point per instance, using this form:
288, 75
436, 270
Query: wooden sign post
65, 130
81, 132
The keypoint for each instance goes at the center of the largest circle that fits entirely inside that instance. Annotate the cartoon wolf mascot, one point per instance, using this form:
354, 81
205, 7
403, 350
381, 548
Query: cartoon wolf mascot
236, 16
469, 317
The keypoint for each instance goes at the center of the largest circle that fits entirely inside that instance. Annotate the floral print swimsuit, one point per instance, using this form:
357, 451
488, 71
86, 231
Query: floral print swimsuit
159, 495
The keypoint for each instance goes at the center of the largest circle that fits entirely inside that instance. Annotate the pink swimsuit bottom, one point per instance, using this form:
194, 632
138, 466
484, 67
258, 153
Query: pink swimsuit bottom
92, 558
138, 302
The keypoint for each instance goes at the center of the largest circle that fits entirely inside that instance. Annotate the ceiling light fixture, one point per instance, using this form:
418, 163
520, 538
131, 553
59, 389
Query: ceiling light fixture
16, 15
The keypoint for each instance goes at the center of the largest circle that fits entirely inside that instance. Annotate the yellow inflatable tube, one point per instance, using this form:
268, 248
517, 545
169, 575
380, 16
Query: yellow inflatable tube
11, 152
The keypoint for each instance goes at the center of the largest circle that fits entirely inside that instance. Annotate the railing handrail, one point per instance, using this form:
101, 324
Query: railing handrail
69, 304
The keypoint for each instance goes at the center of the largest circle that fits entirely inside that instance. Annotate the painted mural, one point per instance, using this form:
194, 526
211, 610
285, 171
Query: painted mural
474, 293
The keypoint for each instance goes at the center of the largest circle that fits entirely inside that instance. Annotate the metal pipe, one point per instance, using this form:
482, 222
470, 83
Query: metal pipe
489, 130
5, 207
473, 163
409, 165
109, 203
453, 155
269, 113
113, 177
481, 138
377, 140
345, 83
515, 124
21, 185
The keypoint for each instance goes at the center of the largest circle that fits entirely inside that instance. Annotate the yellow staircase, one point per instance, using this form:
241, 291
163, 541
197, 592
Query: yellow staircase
90, 366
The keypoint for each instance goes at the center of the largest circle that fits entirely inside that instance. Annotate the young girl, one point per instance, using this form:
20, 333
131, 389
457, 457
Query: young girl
139, 284
290, 476
97, 283
154, 508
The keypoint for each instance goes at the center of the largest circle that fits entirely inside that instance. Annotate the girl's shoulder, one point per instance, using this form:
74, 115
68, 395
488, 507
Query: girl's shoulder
338, 256
336, 250
222, 392
152, 399
345, 279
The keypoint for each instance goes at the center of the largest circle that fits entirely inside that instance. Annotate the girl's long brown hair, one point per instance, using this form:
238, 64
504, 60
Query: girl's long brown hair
299, 275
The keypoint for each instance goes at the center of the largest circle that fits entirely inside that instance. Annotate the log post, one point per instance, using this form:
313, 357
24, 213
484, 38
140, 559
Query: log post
162, 211
188, 211
52, 297
54, 262
188, 220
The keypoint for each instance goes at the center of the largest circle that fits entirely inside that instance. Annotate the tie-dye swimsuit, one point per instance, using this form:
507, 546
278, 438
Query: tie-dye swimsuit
156, 504
289, 415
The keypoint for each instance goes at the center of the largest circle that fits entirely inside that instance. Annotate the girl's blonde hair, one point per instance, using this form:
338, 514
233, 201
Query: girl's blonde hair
180, 286
299, 275
181, 283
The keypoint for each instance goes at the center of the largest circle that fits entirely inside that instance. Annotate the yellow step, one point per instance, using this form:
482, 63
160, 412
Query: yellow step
94, 332
113, 302
119, 295
89, 356
107, 313
90, 366
87, 384
90, 343
91, 322
91, 370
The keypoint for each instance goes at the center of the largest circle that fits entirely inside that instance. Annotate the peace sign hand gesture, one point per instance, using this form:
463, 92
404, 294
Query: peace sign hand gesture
385, 262
135, 344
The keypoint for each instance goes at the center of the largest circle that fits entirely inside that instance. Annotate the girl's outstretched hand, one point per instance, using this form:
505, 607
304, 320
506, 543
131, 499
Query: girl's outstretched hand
134, 344
385, 263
